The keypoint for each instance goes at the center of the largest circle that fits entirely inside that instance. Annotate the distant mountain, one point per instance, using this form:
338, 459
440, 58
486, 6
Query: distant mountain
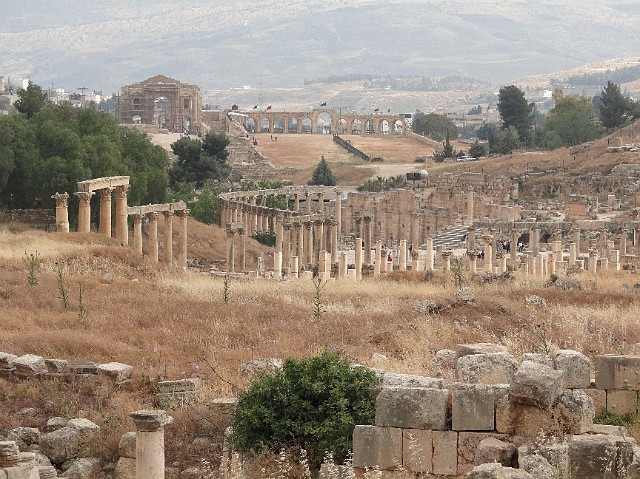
229, 43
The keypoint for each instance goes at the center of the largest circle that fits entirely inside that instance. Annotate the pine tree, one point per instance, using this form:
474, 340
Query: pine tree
322, 175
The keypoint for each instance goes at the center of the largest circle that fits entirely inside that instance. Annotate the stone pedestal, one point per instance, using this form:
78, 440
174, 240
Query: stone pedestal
150, 443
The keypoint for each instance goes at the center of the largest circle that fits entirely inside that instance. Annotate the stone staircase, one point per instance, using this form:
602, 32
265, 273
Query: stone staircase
453, 237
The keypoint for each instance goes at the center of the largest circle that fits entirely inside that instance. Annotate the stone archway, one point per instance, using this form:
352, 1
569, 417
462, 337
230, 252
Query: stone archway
356, 127
306, 126
398, 128
265, 126
292, 125
278, 125
251, 125
370, 127
324, 122
343, 127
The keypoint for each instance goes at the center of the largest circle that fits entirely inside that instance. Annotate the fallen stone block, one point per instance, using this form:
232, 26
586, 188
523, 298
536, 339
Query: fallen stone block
116, 372
576, 368
412, 408
536, 385
491, 368
445, 453
388, 379
479, 348
29, 365
360, 473
83, 467
575, 410
492, 450
9, 454
445, 359
537, 358
468, 444
496, 471
48, 472
22, 472
597, 457
557, 455
537, 466
57, 366
417, 450
181, 385
55, 423
125, 468
621, 401
127, 445
84, 369
379, 447
473, 409
617, 372
60, 444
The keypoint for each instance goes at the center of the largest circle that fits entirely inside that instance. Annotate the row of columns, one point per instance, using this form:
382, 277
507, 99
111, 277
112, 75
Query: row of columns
152, 250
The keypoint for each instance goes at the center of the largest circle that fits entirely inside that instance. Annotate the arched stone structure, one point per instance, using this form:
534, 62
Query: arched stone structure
346, 126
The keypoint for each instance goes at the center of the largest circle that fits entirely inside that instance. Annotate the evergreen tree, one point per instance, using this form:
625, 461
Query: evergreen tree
515, 111
31, 100
322, 175
615, 109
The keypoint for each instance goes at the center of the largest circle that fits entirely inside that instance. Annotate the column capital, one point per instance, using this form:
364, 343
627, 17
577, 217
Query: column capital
183, 213
84, 196
61, 198
150, 420
446, 254
105, 193
167, 214
121, 191
152, 216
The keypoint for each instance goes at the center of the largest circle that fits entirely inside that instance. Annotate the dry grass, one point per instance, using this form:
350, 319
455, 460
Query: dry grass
176, 325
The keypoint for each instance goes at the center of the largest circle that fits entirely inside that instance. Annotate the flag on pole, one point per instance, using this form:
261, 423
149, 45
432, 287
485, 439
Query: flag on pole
269, 107
323, 104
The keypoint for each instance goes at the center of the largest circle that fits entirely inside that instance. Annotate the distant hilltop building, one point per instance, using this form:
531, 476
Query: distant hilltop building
164, 103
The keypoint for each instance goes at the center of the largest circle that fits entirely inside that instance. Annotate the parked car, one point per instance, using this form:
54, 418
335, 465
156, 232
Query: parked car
466, 158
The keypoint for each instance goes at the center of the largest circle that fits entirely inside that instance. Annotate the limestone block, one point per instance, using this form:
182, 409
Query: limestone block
575, 366
467, 446
494, 450
537, 358
22, 472
621, 401
83, 369
445, 359
491, 368
537, 466
412, 408
360, 473
6, 360
116, 372
575, 410
522, 419
57, 366
29, 365
598, 397
379, 447
596, 457
46, 472
445, 453
55, 423
9, 454
60, 444
473, 409
181, 385
557, 455
41, 459
617, 372
83, 468
125, 468
609, 430
407, 380
24, 435
192, 473
479, 348
417, 450
536, 384
127, 445
496, 471
84, 427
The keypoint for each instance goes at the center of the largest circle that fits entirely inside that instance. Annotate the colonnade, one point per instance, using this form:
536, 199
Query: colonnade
120, 184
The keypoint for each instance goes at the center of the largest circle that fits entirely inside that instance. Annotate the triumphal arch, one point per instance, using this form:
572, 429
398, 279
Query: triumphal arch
163, 102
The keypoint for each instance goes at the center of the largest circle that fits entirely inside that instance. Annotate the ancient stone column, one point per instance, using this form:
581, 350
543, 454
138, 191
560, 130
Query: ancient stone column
488, 253
150, 443
307, 201
308, 243
573, 256
378, 260
576, 239
168, 238
318, 228
153, 236
602, 242
535, 243
471, 239
532, 266
137, 233
367, 239
429, 261
122, 229
593, 260
286, 244
623, 238
470, 205
84, 211
342, 267
358, 258
277, 264
415, 232
296, 202
231, 233
333, 231
513, 244
338, 210
551, 264
473, 266
300, 240
415, 257
242, 233
446, 261
503, 263
105, 211
539, 265
358, 220
279, 232
62, 212
403, 255
320, 202
182, 239
294, 267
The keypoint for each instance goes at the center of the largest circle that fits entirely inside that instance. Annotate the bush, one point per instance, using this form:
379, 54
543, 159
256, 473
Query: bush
311, 404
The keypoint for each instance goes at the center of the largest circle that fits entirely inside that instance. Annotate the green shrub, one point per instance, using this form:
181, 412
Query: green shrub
311, 404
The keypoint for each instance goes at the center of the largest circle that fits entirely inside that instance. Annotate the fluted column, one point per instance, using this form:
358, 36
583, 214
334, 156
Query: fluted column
84, 211
279, 230
153, 236
368, 239
535, 243
137, 233
122, 229
168, 238
473, 267
488, 253
62, 212
182, 239
296, 202
150, 442
307, 202
105, 211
